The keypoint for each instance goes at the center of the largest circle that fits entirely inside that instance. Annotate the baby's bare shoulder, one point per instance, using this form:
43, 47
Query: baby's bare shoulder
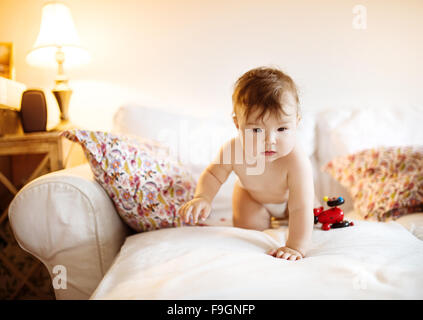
229, 143
226, 153
298, 159
231, 150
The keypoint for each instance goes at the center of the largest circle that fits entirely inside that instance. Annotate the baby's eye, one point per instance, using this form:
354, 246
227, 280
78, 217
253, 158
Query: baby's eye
282, 129
256, 130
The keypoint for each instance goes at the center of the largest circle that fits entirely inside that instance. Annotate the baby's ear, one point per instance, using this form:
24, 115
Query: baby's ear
234, 118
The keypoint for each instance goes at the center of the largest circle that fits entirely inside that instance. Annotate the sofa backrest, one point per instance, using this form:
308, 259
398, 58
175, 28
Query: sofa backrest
194, 140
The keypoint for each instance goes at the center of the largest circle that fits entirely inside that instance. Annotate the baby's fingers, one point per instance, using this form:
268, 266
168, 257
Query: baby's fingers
196, 211
205, 213
282, 254
181, 211
285, 253
294, 257
272, 252
187, 215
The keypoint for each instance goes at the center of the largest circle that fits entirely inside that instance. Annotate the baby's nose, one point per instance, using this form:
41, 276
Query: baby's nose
270, 137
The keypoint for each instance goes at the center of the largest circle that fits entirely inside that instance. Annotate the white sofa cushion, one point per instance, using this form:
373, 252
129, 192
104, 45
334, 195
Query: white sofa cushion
348, 131
370, 260
195, 140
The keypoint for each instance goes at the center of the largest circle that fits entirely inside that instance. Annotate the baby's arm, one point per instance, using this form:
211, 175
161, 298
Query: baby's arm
300, 206
208, 185
300, 203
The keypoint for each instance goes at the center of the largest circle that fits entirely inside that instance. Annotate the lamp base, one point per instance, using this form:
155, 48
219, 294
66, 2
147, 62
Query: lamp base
63, 98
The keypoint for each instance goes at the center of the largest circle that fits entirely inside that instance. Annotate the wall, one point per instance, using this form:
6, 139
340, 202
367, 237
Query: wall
185, 55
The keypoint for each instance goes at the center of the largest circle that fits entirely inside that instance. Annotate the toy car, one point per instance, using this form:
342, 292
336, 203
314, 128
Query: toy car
333, 217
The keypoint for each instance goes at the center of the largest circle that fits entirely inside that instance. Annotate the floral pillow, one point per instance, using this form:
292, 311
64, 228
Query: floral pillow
146, 184
385, 183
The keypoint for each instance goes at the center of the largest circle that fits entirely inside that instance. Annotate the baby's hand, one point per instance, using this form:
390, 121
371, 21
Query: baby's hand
285, 253
195, 209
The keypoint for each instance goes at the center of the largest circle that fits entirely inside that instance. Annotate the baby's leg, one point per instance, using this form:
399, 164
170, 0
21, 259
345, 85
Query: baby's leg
248, 213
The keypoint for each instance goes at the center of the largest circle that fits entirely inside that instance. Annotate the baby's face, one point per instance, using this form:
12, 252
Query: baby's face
269, 137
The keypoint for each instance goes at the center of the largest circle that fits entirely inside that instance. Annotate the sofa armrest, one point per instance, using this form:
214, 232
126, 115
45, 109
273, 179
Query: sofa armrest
66, 219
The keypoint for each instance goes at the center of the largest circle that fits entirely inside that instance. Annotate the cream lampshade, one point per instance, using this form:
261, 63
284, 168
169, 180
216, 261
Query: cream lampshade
58, 44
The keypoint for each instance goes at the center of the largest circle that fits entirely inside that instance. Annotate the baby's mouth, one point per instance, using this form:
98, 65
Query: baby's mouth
269, 153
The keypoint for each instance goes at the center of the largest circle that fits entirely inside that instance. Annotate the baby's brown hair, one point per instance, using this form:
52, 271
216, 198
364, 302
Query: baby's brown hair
263, 89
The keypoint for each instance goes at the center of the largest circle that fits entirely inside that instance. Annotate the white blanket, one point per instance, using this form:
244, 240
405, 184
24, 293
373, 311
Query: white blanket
370, 260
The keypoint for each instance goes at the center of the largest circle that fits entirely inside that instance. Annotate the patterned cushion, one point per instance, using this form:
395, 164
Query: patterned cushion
385, 183
147, 186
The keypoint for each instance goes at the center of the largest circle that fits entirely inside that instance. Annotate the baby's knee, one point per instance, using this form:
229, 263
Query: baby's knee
239, 222
249, 219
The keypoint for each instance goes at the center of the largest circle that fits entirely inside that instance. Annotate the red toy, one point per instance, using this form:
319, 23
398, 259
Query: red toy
333, 217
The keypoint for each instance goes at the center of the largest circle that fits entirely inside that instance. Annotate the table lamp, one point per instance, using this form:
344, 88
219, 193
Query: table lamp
58, 44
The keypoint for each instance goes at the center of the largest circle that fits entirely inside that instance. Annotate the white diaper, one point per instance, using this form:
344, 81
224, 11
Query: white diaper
277, 210
278, 213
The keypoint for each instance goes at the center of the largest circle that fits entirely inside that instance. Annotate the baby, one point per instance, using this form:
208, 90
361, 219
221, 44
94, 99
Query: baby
275, 177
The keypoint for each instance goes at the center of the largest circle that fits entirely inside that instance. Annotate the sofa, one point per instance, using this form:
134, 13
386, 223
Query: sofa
67, 219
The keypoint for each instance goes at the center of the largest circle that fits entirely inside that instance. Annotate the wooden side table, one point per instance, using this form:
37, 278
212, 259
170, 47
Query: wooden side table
31, 155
